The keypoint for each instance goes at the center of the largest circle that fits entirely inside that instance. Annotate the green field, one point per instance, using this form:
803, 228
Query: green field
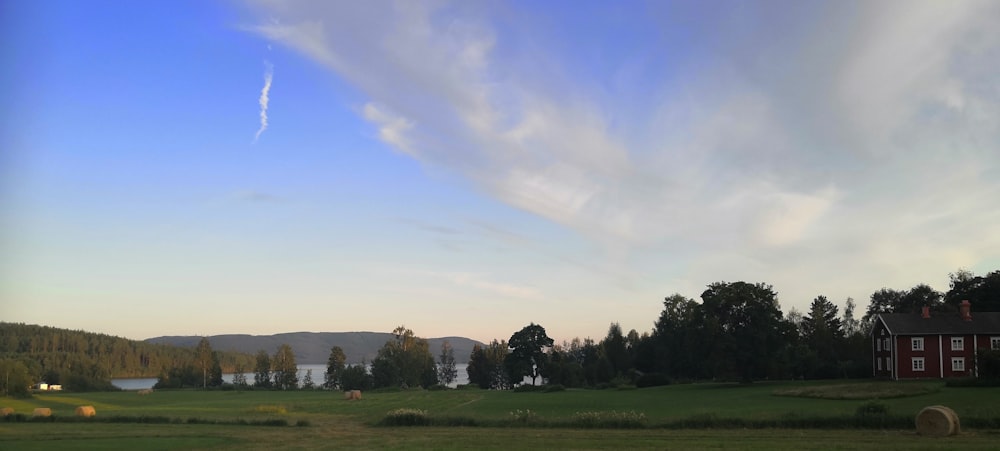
333, 422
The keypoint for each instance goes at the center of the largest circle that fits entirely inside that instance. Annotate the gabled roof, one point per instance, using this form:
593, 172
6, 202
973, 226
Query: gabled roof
983, 323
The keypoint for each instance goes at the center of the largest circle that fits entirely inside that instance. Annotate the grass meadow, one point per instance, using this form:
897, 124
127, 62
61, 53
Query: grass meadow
689, 416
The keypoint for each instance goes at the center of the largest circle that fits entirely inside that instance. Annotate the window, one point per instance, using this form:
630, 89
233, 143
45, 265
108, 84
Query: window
886, 345
957, 343
917, 344
879, 362
878, 345
958, 364
918, 363
994, 342
888, 364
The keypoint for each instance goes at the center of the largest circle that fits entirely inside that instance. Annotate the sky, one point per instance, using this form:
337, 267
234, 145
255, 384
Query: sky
466, 168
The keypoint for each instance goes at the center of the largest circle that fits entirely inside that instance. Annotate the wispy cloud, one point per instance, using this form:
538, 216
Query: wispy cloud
264, 99
850, 147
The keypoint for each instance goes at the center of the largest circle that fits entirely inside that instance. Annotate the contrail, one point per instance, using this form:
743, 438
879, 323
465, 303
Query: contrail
268, 75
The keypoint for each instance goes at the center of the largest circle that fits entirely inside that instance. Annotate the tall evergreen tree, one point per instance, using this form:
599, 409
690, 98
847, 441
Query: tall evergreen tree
446, 365
334, 368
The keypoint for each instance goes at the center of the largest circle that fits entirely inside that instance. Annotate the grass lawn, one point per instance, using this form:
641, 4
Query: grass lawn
335, 422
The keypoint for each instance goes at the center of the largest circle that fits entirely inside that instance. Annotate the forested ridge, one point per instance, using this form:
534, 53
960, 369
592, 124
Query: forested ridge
81, 360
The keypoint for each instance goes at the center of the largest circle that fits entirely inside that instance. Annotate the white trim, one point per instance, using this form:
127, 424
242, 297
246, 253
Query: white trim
960, 341
995, 343
941, 355
917, 344
975, 355
895, 358
914, 364
961, 363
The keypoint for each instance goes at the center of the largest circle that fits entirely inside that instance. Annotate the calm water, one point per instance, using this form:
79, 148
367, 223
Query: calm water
317, 377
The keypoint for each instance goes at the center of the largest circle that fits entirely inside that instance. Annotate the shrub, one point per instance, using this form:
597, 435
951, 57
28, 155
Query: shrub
972, 382
303, 423
652, 380
523, 417
524, 388
610, 420
269, 408
405, 417
455, 421
553, 388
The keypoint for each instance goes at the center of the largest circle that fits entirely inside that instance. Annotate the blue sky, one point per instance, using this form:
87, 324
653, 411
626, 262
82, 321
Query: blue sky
465, 168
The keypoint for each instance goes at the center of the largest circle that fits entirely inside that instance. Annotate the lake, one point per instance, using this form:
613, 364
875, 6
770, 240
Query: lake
318, 370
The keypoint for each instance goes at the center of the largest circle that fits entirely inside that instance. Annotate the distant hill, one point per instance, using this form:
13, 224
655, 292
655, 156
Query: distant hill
314, 347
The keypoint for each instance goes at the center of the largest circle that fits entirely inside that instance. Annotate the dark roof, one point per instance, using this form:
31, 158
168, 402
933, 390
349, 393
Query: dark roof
983, 323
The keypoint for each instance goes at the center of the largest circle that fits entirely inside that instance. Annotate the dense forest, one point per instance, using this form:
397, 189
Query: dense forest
81, 361
736, 332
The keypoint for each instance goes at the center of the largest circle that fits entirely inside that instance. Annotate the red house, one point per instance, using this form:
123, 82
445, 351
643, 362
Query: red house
932, 345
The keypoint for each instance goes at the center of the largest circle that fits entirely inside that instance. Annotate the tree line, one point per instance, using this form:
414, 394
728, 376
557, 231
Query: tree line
82, 361
736, 332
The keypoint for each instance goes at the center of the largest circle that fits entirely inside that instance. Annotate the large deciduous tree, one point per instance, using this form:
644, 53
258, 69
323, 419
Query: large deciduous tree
747, 322
887, 300
203, 359
983, 292
486, 366
262, 370
285, 369
527, 353
405, 361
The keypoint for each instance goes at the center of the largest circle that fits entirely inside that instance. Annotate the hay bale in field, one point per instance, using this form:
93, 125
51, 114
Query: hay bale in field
146, 391
6, 411
42, 412
937, 421
356, 394
85, 411
348, 395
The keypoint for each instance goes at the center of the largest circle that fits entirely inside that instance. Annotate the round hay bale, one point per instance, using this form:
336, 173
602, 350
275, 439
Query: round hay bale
356, 394
6, 411
348, 395
42, 412
85, 411
937, 421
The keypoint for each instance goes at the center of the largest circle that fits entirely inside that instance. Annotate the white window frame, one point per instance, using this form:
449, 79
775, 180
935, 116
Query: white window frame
879, 362
887, 346
957, 343
958, 364
916, 343
888, 364
878, 345
995, 343
917, 364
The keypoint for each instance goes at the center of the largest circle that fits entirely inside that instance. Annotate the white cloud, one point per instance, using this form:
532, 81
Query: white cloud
392, 128
850, 148
264, 100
